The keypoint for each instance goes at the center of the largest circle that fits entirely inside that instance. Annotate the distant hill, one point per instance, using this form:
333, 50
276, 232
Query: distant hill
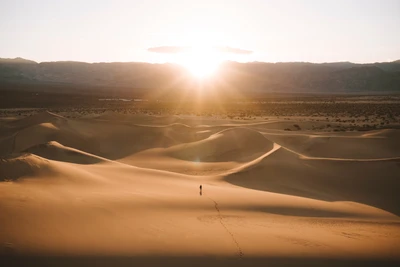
16, 60
254, 77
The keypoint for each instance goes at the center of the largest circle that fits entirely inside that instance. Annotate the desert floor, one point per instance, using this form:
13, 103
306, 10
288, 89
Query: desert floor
123, 190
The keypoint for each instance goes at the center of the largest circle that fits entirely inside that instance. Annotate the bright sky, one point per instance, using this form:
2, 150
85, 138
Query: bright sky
281, 30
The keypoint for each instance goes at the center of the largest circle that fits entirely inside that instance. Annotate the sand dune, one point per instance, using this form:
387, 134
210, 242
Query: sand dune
128, 185
44, 117
55, 151
237, 144
118, 140
18, 166
219, 153
285, 172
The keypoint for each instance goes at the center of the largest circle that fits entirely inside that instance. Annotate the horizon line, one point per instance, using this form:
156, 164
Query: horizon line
175, 63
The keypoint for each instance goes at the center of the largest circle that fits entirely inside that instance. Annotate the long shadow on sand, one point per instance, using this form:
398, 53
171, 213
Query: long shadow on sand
193, 261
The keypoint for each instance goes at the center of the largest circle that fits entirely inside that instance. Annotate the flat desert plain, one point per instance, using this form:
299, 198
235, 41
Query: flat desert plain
124, 190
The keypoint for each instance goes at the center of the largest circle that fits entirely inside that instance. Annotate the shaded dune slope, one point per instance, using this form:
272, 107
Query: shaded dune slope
18, 166
285, 172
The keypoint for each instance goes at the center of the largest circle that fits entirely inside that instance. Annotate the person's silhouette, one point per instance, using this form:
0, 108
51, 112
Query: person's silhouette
201, 190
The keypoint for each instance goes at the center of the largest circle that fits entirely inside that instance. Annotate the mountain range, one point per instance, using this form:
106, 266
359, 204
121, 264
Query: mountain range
252, 77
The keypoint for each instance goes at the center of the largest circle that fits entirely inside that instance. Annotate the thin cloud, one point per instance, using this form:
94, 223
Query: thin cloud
182, 49
168, 49
233, 50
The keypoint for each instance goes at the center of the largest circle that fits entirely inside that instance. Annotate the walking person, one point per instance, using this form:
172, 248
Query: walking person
201, 190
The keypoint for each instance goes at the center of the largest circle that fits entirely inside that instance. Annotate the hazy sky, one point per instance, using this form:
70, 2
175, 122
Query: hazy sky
99, 30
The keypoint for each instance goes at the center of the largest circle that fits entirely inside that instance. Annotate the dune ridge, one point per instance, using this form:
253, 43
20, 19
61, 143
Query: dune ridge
55, 151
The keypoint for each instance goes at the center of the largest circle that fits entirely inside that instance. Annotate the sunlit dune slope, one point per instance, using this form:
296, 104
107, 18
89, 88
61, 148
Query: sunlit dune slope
115, 209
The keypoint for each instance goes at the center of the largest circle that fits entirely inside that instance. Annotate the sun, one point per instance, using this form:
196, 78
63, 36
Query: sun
201, 67
201, 62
